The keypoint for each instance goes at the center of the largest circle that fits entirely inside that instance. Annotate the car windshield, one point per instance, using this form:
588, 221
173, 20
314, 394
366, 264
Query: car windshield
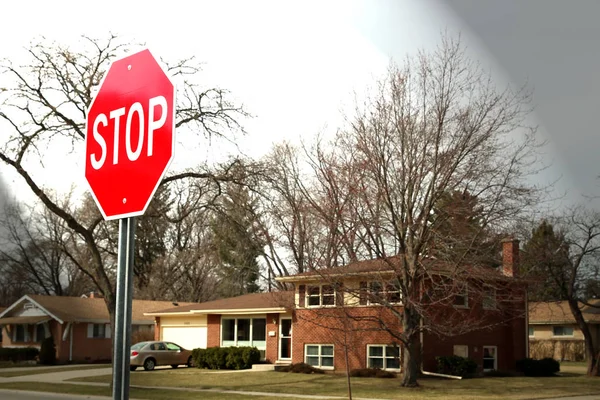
138, 346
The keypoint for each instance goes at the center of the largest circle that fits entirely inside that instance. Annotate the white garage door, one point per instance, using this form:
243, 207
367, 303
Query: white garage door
189, 337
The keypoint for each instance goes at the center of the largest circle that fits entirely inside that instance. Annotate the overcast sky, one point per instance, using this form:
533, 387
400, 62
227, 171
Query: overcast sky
295, 64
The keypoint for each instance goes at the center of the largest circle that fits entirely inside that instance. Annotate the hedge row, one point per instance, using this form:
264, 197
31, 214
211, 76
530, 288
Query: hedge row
226, 357
543, 367
17, 354
456, 365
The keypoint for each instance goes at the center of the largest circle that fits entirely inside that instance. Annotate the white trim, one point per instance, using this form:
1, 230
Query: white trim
320, 296
563, 336
281, 337
26, 297
320, 355
66, 331
495, 357
385, 357
241, 311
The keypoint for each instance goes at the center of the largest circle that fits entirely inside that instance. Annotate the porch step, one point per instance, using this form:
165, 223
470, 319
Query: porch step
263, 367
270, 367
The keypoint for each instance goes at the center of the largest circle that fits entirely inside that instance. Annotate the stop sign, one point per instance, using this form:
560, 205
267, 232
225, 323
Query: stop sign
129, 140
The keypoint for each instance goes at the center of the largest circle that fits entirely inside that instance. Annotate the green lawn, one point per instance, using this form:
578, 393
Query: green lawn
149, 394
335, 385
41, 370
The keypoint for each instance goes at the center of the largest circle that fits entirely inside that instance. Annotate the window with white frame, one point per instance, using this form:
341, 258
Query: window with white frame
461, 350
244, 332
490, 358
98, 331
319, 355
461, 298
383, 356
562, 331
531, 331
321, 295
489, 297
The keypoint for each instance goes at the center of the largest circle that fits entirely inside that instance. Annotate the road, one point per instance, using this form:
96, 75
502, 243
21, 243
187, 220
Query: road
22, 395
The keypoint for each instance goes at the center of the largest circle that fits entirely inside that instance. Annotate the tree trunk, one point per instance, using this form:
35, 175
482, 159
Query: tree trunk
591, 354
410, 367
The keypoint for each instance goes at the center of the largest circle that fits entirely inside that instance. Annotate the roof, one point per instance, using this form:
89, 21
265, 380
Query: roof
554, 312
390, 264
72, 309
271, 301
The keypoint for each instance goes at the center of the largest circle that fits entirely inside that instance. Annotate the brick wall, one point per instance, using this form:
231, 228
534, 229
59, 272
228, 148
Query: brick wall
326, 326
271, 353
213, 330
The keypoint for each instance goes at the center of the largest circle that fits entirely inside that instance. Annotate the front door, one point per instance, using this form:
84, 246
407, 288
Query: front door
285, 339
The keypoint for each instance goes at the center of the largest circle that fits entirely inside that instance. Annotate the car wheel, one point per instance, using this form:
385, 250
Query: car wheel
149, 364
132, 368
174, 366
190, 362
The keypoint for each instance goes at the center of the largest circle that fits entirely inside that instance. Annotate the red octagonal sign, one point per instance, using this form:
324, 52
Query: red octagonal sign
130, 135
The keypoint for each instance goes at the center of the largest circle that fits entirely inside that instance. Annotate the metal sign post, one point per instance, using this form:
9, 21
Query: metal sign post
122, 344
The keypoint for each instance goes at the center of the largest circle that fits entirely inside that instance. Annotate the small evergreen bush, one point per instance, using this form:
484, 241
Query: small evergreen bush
48, 351
544, 367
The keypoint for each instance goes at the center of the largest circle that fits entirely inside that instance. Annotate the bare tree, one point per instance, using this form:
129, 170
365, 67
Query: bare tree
569, 264
435, 125
45, 104
35, 253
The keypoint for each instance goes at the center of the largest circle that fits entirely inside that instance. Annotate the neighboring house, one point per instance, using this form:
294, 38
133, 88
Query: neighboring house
288, 326
554, 333
79, 325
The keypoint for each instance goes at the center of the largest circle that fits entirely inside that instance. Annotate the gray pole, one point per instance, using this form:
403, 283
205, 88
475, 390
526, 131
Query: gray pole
122, 343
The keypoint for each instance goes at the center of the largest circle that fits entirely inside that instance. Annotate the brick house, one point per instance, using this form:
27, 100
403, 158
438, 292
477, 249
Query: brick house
554, 333
79, 325
307, 324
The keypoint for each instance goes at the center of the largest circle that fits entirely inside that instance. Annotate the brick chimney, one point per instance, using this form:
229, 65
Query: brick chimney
510, 256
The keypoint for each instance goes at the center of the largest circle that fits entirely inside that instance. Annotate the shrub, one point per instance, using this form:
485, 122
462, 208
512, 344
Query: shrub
301, 368
544, 367
371, 373
18, 354
226, 357
456, 365
48, 351
250, 356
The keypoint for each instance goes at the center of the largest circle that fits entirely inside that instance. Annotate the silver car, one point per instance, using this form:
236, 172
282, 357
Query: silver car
151, 354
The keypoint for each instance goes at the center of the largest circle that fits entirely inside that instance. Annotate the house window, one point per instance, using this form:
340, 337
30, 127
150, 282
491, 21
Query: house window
319, 355
40, 332
244, 332
323, 295
461, 350
379, 293
461, 298
383, 357
490, 358
98, 331
562, 331
489, 298
531, 331
19, 335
